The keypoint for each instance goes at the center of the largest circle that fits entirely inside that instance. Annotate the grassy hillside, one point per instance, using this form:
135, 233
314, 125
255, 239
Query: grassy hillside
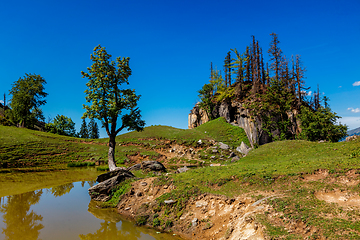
24, 148
296, 173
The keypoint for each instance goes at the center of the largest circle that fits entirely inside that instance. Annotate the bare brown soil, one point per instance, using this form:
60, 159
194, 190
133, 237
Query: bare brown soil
210, 216
214, 217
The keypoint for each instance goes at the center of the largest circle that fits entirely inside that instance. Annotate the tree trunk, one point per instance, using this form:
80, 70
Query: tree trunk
111, 154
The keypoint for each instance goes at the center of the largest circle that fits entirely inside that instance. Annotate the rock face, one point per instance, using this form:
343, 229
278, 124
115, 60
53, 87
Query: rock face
236, 114
197, 117
243, 148
101, 191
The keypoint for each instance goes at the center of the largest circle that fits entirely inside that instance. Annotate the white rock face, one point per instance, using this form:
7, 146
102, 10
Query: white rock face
243, 148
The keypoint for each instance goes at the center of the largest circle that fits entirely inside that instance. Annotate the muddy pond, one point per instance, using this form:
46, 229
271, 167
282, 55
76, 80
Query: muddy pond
63, 211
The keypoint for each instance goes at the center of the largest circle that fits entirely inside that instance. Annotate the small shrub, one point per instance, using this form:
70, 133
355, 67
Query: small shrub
156, 222
141, 220
168, 223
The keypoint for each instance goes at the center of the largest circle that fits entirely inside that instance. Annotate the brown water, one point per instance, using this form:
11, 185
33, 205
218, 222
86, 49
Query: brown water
66, 212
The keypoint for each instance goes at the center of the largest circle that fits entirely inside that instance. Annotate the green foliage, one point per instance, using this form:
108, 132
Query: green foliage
141, 220
321, 125
105, 93
222, 131
27, 97
156, 222
84, 133
272, 107
61, 125
205, 95
116, 193
93, 129
81, 164
109, 99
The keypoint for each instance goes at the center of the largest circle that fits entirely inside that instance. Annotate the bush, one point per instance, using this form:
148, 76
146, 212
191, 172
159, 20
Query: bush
321, 125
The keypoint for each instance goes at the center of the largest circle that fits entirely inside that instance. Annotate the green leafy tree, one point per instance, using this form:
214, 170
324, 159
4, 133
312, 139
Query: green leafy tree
27, 97
20, 221
321, 125
84, 132
109, 100
93, 129
62, 125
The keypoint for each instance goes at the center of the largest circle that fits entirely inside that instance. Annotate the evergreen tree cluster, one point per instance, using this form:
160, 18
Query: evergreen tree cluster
90, 130
270, 91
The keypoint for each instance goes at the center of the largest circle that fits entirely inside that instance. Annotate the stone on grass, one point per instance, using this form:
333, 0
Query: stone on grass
169, 201
182, 170
153, 166
243, 148
223, 146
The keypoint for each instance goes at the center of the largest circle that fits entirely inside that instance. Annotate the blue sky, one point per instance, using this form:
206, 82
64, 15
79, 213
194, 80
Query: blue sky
171, 45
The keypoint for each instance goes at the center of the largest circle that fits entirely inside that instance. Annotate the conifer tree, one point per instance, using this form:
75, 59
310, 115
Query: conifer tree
93, 129
299, 78
84, 133
275, 56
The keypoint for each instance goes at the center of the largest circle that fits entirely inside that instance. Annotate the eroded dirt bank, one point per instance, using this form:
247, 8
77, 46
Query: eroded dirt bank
209, 216
204, 217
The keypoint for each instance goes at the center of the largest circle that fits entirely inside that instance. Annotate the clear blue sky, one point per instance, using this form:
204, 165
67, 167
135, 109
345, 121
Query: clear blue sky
171, 45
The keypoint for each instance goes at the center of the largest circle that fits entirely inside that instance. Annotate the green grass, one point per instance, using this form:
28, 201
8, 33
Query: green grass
276, 167
24, 148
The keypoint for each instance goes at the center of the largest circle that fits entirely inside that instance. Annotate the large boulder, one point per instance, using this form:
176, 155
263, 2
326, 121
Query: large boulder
243, 148
152, 166
102, 190
111, 174
223, 146
134, 167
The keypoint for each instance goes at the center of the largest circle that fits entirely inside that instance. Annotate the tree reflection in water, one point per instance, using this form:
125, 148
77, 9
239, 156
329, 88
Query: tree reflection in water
108, 229
20, 223
61, 190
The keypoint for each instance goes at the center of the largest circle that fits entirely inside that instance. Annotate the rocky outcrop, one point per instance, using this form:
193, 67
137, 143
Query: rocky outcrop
149, 166
102, 190
236, 114
197, 117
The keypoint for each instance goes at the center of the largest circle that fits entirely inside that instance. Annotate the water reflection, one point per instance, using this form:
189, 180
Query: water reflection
108, 229
18, 218
62, 213
61, 190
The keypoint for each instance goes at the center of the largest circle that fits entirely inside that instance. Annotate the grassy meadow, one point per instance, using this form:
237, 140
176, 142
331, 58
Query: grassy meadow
276, 169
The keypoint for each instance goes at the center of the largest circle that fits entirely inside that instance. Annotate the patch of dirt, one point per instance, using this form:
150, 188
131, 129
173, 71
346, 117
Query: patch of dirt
341, 198
318, 175
206, 217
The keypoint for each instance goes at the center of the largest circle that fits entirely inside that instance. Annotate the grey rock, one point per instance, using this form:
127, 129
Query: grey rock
111, 174
215, 151
243, 148
182, 170
97, 191
143, 184
134, 167
199, 142
232, 154
194, 222
223, 146
212, 157
153, 166
235, 159
169, 201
